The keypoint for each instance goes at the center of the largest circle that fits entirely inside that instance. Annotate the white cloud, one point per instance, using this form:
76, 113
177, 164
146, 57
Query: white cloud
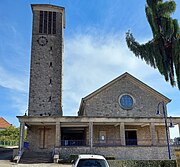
8, 80
14, 59
19, 102
93, 60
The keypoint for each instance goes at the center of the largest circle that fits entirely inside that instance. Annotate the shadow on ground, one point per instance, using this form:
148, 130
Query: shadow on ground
6, 153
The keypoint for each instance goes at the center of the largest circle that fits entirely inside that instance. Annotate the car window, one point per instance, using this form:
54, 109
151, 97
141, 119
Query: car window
92, 163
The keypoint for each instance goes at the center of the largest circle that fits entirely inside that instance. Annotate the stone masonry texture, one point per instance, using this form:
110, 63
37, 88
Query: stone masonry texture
45, 94
41, 137
124, 153
45, 99
106, 102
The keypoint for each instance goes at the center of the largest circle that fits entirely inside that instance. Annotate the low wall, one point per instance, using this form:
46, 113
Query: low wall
177, 152
121, 153
142, 163
15, 152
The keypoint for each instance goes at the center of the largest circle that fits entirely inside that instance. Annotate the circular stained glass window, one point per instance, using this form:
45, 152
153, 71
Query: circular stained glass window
126, 102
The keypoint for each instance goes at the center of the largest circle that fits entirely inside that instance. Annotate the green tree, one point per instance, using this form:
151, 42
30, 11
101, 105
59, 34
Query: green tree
10, 134
163, 51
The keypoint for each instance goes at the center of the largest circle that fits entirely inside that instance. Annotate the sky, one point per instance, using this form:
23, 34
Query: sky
95, 52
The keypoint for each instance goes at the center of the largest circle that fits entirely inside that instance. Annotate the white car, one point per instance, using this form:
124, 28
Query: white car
87, 160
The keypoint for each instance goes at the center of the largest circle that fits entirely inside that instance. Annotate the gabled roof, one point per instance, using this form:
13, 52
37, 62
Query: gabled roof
4, 124
134, 80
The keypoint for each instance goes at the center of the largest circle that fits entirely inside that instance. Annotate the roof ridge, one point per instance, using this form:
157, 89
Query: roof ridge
126, 74
134, 80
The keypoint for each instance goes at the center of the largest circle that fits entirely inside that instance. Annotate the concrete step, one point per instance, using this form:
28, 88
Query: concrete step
30, 157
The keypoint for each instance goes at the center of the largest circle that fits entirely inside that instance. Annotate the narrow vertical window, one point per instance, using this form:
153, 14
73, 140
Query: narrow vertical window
49, 99
50, 82
41, 22
54, 22
50, 64
45, 22
50, 23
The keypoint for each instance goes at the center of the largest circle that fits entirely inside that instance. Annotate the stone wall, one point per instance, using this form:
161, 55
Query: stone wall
122, 153
45, 94
143, 134
106, 102
41, 137
111, 133
142, 163
177, 152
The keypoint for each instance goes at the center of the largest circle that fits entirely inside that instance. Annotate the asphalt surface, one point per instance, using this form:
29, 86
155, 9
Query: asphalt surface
6, 153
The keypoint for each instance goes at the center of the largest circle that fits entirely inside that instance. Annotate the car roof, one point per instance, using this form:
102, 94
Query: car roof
89, 156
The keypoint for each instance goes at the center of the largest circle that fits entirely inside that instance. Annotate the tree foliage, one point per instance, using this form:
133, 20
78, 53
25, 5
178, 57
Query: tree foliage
163, 51
10, 134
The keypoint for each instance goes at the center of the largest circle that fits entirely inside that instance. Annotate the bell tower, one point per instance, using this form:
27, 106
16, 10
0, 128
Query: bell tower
45, 90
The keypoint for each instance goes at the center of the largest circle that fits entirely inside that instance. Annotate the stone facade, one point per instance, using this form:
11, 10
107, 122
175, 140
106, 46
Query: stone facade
41, 137
122, 153
102, 126
105, 101
45, 94
112, 135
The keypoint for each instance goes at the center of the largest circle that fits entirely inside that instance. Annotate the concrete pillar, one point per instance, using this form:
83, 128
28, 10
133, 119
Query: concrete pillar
21, 136
58, 134
122, 134
153, 133
91, 134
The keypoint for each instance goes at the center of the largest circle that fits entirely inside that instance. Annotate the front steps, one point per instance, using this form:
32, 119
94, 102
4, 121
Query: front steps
30, 157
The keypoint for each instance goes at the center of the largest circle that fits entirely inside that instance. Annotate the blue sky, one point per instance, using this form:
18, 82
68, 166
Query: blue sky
95, 51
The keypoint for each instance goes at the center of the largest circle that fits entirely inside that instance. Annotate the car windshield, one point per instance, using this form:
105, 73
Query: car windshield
92, 163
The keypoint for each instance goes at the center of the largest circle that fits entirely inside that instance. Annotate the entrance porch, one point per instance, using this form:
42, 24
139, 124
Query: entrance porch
73, 135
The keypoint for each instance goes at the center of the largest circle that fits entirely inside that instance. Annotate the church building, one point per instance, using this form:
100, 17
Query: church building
119, 119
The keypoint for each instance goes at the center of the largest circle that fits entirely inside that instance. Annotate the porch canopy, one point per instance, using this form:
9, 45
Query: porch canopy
66, 124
